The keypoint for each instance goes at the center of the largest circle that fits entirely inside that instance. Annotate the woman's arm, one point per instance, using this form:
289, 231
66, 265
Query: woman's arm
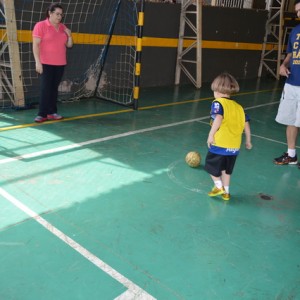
69, 43
36, 53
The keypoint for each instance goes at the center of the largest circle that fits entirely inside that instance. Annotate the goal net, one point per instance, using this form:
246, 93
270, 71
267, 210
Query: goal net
102, 61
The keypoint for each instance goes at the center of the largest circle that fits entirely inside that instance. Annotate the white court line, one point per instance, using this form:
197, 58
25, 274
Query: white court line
258, 136
134, 290
261, 105
108, 138
112, 137
270, 140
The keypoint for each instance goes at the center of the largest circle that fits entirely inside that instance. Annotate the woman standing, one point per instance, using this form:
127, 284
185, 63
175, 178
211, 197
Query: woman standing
50, 40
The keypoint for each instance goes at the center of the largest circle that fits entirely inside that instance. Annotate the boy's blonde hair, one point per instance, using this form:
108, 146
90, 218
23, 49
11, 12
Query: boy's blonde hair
225, 84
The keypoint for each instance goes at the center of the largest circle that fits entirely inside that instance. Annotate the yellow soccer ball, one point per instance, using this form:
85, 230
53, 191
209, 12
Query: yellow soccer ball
193, 159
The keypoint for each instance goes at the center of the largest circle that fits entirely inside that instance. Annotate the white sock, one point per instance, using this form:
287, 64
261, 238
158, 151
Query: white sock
291, 152
226, 188
218, 184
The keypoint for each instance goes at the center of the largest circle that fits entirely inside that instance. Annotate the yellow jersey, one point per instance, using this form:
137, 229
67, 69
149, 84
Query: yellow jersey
229, 135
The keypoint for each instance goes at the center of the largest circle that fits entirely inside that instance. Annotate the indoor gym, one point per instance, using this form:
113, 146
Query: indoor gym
102, 205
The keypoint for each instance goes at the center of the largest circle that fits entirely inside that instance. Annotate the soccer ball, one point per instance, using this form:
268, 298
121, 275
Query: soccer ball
193, 159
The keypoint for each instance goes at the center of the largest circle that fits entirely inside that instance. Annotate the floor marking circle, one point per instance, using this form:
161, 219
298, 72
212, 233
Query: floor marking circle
191, 179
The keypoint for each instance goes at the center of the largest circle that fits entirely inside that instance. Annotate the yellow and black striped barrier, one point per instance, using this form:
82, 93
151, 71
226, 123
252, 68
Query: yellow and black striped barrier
136, 89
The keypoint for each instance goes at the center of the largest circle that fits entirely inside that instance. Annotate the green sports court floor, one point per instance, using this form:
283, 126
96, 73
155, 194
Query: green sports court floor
103, 206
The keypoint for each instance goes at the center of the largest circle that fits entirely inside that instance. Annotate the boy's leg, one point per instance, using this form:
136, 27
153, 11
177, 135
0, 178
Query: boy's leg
225, 179
218, 187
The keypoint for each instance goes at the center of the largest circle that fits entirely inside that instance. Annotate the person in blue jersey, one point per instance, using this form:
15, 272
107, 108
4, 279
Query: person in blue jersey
289, 108
228, 122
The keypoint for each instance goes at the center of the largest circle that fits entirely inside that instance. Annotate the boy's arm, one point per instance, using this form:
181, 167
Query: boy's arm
248, 143
214, 128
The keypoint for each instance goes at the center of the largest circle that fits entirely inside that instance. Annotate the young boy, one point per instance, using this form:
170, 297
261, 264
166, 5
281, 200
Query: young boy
228, 121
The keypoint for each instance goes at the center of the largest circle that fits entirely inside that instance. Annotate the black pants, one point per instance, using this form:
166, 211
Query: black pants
50, 80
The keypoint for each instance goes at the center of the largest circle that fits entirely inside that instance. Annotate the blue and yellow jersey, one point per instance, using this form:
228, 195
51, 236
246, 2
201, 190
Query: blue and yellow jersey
228, 138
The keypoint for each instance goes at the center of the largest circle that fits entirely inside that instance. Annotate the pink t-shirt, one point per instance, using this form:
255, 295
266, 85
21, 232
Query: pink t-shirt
53, 43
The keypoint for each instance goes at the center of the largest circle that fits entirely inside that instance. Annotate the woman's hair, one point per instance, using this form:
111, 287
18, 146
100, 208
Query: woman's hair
52, 7
225, 84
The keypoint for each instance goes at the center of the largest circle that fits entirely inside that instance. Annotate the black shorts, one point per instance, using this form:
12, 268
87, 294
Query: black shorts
216, 163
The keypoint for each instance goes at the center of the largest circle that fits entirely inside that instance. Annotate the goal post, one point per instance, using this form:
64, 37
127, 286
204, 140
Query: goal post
103, 61
120, 75
107, 43
10, 63
138, 56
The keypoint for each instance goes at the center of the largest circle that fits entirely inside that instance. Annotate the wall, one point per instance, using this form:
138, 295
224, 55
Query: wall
232, 40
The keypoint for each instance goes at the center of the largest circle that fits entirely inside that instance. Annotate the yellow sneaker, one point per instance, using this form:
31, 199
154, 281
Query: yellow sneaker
226, 196
216, 192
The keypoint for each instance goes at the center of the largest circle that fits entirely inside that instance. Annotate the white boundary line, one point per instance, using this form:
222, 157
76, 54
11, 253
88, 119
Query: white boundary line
258, 136
133, 289
121, 135
108, 138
